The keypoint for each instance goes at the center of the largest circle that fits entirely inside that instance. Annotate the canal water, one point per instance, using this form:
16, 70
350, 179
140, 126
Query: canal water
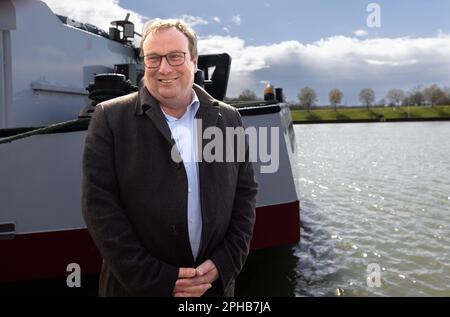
375, 213
375, 201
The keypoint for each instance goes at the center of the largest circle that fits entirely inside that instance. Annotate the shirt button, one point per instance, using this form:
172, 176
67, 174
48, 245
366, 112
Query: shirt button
189, 189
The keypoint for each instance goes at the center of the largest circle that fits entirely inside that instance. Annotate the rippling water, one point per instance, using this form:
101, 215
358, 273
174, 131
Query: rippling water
377, 194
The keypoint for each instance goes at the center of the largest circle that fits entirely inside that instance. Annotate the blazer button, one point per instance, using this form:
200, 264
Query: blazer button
177, 165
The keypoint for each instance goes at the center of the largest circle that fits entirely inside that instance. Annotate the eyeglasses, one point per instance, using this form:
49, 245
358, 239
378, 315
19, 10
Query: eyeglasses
173, 59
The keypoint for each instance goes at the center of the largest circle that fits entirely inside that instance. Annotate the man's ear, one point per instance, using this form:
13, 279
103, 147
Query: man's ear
195, 61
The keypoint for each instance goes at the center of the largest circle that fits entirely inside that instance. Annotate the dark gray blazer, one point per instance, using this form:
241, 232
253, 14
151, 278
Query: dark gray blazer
134, 199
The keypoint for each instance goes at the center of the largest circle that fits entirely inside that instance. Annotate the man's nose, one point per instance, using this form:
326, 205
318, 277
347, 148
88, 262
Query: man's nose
164, 67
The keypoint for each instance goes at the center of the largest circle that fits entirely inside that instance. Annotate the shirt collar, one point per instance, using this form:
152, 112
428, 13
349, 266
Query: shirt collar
146, 101
191, 109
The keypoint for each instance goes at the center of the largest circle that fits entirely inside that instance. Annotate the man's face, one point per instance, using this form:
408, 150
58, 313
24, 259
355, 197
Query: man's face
170, 85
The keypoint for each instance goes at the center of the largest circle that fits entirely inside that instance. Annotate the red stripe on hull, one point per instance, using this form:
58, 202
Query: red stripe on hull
276, 225
47, 254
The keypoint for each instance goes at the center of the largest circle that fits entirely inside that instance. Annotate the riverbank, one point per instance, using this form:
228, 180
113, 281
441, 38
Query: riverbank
373, 114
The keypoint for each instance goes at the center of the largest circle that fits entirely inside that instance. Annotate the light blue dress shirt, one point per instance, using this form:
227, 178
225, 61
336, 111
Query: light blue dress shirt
184, 133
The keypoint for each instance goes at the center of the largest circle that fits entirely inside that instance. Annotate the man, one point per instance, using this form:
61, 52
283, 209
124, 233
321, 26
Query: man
165, 227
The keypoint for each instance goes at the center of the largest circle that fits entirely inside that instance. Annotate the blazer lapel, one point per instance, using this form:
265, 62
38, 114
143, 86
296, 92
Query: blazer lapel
158, 119
208, 114
208, 111
147, 104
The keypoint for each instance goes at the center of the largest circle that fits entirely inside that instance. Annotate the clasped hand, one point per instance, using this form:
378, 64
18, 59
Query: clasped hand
194, 282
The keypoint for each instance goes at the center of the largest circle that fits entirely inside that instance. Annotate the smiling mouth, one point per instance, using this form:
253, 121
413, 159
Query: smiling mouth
167, 81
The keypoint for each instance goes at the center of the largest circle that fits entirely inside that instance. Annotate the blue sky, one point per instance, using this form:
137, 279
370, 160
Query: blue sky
322, 44
265, 22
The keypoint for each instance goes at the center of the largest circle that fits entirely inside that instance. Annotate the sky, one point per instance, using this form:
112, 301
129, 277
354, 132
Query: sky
323, 44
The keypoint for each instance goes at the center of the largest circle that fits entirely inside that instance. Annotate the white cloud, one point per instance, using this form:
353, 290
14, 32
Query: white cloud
360, 33
236, 19
442, 33
104, 11
343, 62
193, 21
248, 60
391, 63
100, 13
216, 19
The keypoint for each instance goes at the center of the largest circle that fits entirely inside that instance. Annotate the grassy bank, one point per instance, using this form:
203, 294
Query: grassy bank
372, 114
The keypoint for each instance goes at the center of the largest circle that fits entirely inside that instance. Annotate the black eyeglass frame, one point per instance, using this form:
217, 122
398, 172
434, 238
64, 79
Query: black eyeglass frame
167, 59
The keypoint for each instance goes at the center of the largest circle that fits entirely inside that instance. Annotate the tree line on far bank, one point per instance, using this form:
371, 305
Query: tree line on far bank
417, 96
